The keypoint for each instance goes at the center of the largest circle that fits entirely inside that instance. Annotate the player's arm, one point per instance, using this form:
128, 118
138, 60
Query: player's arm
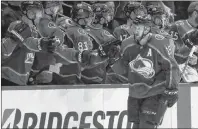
7, 47
69, 55
121, 66
170, 66
21, 33
173, 75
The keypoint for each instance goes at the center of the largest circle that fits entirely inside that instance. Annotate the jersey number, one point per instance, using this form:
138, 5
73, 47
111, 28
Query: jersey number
174, 35
29, 58
123, 37
82, 46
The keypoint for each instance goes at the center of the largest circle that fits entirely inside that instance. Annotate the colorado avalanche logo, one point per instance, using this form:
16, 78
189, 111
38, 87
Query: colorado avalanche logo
81, 31
142, 66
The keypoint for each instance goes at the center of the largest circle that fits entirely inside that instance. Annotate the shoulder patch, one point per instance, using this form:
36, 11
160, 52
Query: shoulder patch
107, 33
124, 27
51, 25
159, 37
81, 31
179, 23
69, 22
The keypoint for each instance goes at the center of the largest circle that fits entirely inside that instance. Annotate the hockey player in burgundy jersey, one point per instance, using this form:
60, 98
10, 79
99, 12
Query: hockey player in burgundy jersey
76, 38
73, 37
20, 44
179, 31
132, 9
99, 37
159, 16
182, 27
53, 9
153, 75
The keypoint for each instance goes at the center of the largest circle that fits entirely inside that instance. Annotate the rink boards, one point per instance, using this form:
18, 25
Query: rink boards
90, 106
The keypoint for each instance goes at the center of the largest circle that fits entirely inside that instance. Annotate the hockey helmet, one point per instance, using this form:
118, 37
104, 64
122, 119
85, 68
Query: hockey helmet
81, 10
135, 7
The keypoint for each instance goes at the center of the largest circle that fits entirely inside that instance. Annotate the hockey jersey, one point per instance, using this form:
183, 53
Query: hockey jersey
178, 30
63, 65
18, 52
97, 74
76, 39
46, 28
151, 68
162, 32
122, 32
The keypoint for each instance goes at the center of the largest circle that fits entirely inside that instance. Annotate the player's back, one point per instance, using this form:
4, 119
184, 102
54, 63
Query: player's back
78, 38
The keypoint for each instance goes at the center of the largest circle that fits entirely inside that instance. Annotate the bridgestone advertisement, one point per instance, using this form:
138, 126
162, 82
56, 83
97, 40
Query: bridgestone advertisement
70, 108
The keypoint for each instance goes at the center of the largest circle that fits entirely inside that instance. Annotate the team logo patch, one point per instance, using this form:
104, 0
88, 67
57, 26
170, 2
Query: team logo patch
159, 37
69, 22
142, 66
107, 33
51, 25
81, 31
124, 27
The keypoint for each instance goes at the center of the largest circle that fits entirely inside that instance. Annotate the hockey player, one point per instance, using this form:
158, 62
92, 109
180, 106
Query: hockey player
59, 67
19, 47
47, 28
9, 14
52, 9
159, 16
77, 38
132, 9
153, 75
179, 29
100, 37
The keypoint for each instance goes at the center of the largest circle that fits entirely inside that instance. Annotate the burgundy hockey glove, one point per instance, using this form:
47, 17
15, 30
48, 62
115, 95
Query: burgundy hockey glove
49, 44
114, 51
170, 96
109, 48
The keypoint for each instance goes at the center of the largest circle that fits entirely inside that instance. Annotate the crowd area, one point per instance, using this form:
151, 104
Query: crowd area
97, 42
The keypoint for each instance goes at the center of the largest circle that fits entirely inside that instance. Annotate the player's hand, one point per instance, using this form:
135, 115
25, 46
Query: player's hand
49, 44
109, 48
170, 96
114, 51
193, 60
84, 56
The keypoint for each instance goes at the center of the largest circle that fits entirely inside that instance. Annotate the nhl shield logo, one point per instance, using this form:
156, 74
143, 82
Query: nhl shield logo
142, 66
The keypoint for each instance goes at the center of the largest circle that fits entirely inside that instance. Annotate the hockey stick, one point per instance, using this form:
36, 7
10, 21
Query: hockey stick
189, 56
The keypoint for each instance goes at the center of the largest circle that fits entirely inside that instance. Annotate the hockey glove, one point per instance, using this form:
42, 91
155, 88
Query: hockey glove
49, 44
191, 39
193, 60
84, 57
170, 96
109, 48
